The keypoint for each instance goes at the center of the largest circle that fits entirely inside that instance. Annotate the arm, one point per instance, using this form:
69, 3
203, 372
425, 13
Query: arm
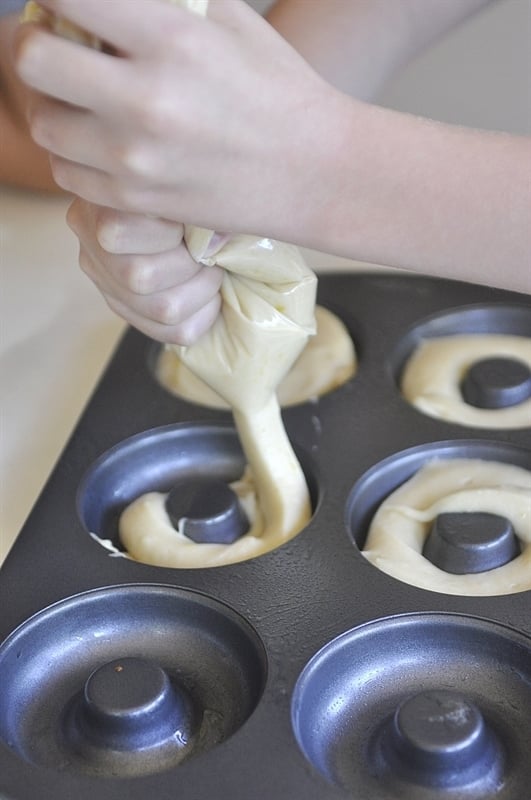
467, 193
275, 149
438, 199
22, 162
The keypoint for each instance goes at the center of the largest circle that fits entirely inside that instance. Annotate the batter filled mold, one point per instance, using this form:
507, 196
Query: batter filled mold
175, 497
470, 366
448, 517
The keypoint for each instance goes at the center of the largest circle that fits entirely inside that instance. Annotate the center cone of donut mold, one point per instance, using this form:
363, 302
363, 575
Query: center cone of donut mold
439, 737
496, 383
130, 703
206, 510
469, 542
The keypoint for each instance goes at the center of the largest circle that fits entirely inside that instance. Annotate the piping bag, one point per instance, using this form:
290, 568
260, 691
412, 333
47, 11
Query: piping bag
267, 314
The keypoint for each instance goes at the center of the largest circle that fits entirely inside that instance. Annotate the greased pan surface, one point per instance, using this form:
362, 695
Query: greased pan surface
307, 621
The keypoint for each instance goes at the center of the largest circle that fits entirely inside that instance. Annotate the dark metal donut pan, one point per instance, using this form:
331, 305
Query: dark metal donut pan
306, 673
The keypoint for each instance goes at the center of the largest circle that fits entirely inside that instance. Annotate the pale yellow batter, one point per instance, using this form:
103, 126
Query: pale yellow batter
402, 523
146, 529
327, 362
433, 374
266, 317
260, 332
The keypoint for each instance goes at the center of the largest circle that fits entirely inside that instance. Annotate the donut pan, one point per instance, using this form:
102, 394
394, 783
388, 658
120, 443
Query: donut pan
305, 673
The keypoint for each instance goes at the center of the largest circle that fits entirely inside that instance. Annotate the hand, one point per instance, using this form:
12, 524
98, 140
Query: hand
200, 120
145, 272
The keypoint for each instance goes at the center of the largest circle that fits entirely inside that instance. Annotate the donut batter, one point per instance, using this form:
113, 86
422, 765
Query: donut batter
433, 374
266, 317
402, 523
147, 532
327, 362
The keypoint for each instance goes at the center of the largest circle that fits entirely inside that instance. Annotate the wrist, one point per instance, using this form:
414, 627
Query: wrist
322, 202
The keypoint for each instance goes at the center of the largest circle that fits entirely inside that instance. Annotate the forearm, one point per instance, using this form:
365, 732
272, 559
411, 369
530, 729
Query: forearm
357, 45
395, 189
390, 188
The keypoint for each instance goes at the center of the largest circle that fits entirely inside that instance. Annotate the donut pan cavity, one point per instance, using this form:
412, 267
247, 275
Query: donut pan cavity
305, 672
489, 318
128, 680
457, 543
158, 460
384, 709
498, 378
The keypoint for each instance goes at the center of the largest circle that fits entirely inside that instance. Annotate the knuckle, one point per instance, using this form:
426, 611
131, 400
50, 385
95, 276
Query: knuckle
155, 107
135, 160
167, 309
190, 330
110, 230
183, 335
137, 275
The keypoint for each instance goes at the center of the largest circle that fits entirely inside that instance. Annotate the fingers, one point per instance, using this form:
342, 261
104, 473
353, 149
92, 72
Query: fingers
97, 186
116, 24
167, 131
66, 130
86, 147
68, 71
167, 307
182, 333
149, 277
117, 232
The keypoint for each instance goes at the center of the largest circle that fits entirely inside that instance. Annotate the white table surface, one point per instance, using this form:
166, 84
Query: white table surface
56, 335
